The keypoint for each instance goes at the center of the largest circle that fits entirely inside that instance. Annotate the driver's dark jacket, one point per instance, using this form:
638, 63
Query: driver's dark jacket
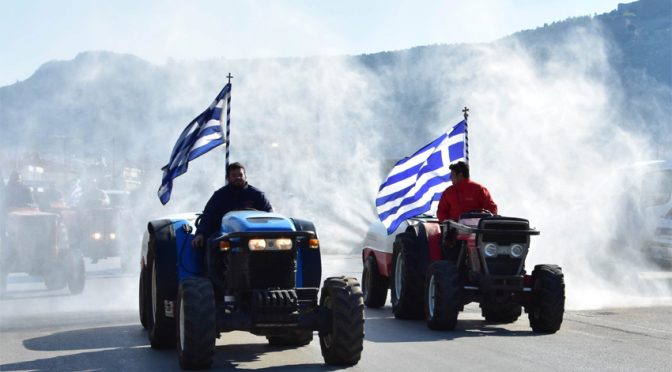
227, 199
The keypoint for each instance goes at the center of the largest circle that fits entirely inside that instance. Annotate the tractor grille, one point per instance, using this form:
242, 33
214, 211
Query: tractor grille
503, 265
272, 269
505, 224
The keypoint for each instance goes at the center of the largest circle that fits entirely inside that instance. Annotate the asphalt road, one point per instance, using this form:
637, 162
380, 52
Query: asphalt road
99, 330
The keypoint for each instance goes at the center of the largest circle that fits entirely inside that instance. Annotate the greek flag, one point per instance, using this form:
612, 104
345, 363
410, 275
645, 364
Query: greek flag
416, 182
203, 134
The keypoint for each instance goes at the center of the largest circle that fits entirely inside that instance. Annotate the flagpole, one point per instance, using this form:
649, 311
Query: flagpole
228, 122
465, 111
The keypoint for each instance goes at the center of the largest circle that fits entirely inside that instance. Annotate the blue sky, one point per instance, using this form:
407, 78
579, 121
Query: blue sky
33, 32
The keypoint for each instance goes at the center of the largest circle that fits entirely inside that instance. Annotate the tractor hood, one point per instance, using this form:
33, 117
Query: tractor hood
244, 221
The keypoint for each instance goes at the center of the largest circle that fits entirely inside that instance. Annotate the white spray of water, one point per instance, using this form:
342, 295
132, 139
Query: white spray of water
545, 139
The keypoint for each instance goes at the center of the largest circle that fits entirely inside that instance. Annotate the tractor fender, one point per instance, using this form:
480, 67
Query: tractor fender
161, 252
308, 260
428, 236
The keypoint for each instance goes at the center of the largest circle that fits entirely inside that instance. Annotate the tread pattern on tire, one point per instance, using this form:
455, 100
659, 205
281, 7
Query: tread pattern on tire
374, 285
343, 343
548, 299
197, 297
408, 305
447, 295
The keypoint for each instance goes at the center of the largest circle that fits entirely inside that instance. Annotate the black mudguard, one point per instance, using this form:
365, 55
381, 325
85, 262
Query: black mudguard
165, 252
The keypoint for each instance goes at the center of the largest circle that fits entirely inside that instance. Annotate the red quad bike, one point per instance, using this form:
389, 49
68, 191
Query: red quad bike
444, 266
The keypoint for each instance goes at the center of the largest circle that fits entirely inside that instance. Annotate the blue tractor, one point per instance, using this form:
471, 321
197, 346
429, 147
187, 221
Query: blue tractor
261, 273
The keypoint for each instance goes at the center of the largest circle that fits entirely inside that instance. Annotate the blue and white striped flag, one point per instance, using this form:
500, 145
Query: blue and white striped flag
203, 134
417, 182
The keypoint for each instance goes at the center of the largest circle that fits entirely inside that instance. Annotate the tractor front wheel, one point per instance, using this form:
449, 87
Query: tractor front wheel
548, 299
196, 324
342, 340
443, 295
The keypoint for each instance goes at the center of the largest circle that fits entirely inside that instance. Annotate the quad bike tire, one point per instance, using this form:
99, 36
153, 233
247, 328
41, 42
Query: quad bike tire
196, 323
342, 341
548, 299
298, 337
501, 313
443, 296
374, 285
408, 278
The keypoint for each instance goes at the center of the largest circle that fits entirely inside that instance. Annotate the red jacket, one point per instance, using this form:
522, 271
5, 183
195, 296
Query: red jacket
463, 197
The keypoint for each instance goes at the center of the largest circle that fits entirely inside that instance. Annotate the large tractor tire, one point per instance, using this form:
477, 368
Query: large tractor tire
299, 337
55, 277
502, 313
408, 277
342, 341
443, 295
76, 275
56, 274
374, 285
196, 323
144, 297
548, 299
161, 323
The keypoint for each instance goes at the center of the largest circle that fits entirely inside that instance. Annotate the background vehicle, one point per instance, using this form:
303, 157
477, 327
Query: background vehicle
436, 269
102, 232
659, 248
260, 274
37, 243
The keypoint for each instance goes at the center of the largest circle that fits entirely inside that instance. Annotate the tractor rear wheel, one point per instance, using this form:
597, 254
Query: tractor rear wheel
374, 285
161, 326
144, 299
408, 278
548, 299
342, 341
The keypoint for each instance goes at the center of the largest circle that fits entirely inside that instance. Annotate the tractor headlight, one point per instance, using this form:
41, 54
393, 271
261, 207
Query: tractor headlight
490, 249
257, 244
97, 236
517, 250
113, 236
283, 244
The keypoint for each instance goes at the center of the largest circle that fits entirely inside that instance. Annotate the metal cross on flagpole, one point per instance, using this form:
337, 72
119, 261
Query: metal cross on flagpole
228, 122
465, 111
